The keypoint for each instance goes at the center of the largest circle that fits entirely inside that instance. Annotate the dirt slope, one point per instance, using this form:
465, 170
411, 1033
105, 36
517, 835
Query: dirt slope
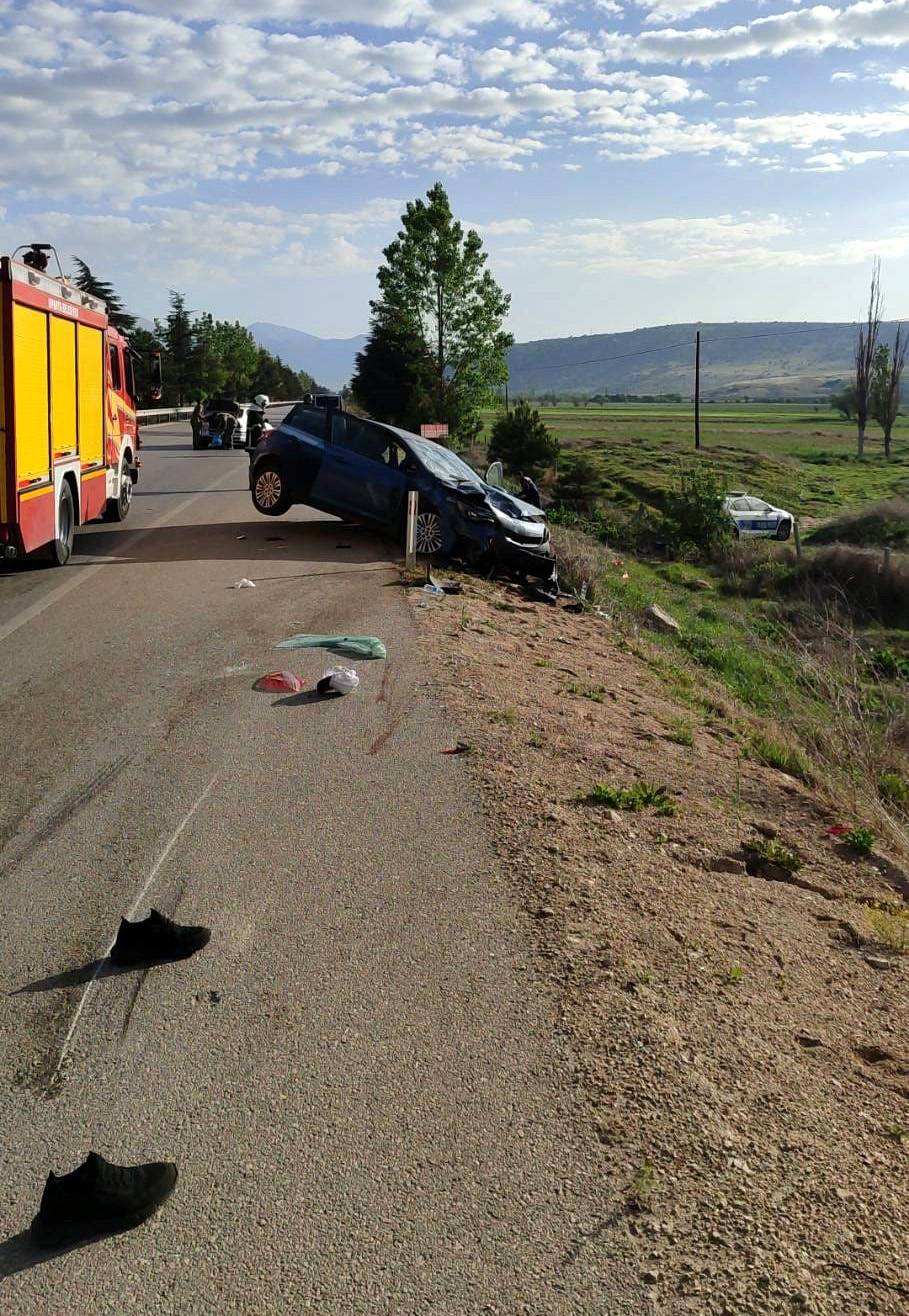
741, 1042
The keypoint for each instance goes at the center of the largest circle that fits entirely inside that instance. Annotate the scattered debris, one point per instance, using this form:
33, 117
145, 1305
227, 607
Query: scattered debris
338, 681
349, 646
279, 683
660, 619
435, 590
879, 962
446, 586
244, 584
460, 748
699, 584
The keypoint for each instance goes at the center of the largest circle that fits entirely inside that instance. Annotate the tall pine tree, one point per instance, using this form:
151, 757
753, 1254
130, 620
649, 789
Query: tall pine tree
442, 312
88, 282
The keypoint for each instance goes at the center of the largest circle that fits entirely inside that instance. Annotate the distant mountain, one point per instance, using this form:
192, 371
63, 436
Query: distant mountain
764, 359
756, 359
329, 360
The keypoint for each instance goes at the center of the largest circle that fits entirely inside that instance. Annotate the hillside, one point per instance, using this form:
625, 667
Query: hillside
760, 360
330, 360
769, 359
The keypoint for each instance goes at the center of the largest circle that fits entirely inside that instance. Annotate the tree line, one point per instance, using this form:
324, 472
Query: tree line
201, 357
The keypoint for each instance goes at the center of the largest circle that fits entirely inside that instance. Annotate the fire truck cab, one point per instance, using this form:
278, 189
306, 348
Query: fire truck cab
69, 438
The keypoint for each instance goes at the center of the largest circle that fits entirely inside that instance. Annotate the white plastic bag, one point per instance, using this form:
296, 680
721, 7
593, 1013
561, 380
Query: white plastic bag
338, 681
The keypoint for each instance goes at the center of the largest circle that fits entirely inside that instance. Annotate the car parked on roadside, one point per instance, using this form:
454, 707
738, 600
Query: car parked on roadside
337, 462
752, 517
227, 423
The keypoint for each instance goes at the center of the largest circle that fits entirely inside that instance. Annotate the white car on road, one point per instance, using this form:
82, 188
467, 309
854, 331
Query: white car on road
753, 516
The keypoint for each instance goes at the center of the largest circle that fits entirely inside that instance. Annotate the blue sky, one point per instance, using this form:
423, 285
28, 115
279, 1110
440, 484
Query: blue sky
627, 164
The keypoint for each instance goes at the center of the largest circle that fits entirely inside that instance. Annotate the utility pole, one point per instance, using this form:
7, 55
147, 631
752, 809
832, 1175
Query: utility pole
697, 391
506, 394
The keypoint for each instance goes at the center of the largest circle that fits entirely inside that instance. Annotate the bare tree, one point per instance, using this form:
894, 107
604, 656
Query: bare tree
865, 348
886, 385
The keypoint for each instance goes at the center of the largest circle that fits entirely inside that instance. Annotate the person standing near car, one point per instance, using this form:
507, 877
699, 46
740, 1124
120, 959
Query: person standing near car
530, 493
195, 422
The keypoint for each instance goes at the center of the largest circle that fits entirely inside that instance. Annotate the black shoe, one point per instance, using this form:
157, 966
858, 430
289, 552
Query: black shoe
100, 1198
156, 938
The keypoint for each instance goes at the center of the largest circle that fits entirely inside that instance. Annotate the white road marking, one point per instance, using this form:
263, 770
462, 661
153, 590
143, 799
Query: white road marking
81, 574
136, 905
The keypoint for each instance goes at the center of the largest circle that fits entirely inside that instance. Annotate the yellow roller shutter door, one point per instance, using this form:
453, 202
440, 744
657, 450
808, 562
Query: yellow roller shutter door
30, 384
91, 395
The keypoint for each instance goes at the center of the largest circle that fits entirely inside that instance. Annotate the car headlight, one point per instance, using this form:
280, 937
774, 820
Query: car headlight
476, 512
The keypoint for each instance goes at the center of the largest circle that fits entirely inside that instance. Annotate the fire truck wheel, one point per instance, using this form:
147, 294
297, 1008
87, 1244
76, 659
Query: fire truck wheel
118, 508
62, 547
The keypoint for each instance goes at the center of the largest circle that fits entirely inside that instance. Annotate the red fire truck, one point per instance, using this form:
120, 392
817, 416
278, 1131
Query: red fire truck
69, 439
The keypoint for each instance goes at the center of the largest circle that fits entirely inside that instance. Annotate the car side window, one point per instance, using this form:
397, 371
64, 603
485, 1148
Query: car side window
739, 505
360, 436
311, 420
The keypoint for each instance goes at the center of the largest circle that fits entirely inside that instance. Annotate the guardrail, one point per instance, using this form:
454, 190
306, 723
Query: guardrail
161, 415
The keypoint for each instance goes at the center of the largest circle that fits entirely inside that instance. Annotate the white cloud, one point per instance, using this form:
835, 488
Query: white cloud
836, 162
842, 76
670, 11
899, 78
815, 28
751, 85
666, 247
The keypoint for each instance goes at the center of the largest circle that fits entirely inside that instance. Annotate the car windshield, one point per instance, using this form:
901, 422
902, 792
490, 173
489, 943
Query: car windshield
442, 463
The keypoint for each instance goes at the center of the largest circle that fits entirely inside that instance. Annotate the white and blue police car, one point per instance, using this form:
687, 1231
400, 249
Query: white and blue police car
753, 516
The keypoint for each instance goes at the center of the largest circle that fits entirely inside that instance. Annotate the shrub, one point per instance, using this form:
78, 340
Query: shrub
893, 789
521, 441
857, 579
642, 795
580, 482
694, 511
860, 839
878, 524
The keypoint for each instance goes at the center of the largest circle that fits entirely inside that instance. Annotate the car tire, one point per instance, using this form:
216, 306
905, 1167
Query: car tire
269, 489
429, 532
118, 508
62, 545
783, 530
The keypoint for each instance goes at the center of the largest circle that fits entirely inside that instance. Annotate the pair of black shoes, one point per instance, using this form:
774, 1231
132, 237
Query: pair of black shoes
98, 1197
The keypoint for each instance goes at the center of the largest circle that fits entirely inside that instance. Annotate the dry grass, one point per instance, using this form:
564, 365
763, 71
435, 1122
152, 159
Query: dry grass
582, 562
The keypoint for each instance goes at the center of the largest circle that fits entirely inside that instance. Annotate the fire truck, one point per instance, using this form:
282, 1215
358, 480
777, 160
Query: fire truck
69, 439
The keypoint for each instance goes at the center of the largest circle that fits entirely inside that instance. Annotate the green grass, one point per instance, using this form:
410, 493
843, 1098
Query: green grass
642, 795
775, 754
596, 693
680, 732
775, 853
793, 455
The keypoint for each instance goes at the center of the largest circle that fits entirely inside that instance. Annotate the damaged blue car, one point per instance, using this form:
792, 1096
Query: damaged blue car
363, 470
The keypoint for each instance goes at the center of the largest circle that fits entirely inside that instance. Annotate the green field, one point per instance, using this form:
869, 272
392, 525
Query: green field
800, 457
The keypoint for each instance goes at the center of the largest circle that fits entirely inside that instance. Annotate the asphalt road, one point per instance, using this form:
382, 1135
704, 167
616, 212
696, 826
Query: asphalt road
356, 1078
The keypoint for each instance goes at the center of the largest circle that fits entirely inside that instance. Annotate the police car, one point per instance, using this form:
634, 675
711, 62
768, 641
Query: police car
752, 516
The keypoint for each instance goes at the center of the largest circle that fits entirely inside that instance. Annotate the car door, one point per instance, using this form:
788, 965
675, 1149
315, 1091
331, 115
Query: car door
362, 475
300, 441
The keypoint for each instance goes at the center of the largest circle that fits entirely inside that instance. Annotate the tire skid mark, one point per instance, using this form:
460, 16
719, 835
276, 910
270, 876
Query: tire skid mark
22, 847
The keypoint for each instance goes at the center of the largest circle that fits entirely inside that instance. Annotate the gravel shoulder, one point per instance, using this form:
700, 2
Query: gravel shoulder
740, 1043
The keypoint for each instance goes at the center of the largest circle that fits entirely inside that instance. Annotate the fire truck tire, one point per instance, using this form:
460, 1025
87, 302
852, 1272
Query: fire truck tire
118, 508
62, 546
